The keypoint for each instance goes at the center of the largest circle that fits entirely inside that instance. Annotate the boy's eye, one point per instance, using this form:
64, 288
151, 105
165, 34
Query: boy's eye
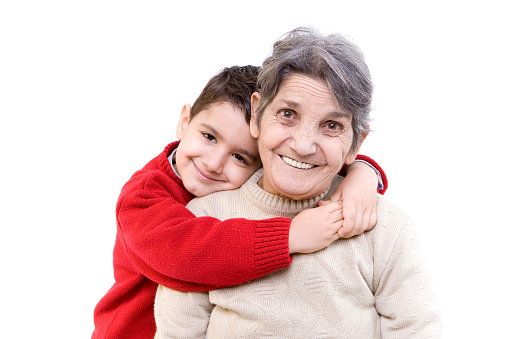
209, 137
240, 158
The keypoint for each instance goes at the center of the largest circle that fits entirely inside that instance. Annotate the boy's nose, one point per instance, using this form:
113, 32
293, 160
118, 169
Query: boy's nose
214, 162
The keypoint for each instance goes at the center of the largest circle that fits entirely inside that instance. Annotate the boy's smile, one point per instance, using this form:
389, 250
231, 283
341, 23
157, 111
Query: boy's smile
216, 150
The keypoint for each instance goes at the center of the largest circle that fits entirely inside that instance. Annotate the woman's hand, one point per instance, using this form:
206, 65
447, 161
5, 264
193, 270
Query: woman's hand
358, 193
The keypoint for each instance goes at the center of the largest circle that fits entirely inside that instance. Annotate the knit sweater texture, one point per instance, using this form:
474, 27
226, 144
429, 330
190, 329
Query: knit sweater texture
370, 286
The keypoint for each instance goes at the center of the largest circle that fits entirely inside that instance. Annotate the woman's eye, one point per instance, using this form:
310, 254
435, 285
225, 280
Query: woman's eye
209, 137
333, 128
240, 158
287, 116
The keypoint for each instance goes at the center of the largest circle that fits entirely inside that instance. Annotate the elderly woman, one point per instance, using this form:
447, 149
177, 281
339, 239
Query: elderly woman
310, 117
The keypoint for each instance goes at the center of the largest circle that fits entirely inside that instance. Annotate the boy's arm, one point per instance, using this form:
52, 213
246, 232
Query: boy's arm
358, 193
169, 245
383, 183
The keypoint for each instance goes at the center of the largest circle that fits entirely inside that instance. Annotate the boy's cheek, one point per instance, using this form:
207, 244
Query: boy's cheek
245, 175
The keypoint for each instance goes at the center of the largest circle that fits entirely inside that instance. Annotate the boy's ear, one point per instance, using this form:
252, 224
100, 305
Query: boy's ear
253, 126
185, 117
353, 153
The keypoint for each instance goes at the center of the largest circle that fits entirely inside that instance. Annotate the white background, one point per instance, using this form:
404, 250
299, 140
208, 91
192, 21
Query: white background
91, 90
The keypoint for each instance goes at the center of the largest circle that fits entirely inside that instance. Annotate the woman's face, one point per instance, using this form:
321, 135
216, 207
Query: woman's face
303, 138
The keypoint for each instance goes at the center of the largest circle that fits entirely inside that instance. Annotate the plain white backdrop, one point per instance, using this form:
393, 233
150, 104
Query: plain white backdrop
91, 90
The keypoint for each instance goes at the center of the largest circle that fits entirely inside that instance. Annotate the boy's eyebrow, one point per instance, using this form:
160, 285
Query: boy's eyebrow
219, 136
213, 130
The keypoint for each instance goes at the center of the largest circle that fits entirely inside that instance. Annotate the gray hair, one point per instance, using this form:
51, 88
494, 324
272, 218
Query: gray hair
333, 59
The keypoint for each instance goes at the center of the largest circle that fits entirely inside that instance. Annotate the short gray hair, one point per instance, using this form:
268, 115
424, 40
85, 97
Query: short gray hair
333, 59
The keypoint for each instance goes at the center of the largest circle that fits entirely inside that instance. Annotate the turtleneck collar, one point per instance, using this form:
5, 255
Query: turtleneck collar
278, 205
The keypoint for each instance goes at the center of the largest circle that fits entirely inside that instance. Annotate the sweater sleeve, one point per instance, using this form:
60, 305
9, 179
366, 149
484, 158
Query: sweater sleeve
383, 182
403, 293
168, 244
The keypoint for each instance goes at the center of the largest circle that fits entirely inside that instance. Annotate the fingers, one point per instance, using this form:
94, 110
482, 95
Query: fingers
347, 228
336, 217
323, 202
331, 206
327, 202
357, 220
350, 218
336, 196
338, 233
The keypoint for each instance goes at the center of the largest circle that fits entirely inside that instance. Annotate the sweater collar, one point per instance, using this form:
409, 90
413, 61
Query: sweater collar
166, 166
278, 205
171, 160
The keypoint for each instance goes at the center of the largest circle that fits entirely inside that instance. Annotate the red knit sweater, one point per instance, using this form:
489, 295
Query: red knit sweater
160, 242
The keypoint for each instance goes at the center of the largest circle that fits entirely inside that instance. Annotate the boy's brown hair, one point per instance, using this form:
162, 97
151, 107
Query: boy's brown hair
234, 85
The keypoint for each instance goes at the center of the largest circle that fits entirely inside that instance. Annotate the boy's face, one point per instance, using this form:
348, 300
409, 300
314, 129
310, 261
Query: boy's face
216, 150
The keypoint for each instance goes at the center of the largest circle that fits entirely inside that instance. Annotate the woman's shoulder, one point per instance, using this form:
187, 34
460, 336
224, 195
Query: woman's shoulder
390, 213
392, 221
213, 204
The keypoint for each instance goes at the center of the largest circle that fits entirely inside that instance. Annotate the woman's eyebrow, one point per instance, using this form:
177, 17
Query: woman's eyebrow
339, 114
333, 114
290, 103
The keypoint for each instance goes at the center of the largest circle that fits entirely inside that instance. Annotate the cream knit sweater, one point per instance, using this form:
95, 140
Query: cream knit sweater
370, 286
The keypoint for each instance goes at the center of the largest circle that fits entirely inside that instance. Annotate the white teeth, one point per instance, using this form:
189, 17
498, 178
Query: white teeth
297, 164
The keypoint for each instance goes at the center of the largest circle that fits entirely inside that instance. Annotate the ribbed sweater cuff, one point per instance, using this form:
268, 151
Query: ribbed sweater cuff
271, 245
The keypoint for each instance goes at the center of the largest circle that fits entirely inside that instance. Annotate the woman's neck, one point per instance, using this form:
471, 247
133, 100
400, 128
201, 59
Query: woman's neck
279, 205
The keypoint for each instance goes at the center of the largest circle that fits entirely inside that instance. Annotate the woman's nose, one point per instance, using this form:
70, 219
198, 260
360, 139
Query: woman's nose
304, 141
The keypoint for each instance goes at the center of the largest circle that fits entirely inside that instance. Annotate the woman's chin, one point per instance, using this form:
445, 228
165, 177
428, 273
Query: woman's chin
299, 192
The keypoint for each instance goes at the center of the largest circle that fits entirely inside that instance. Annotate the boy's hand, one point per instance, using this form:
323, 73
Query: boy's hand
358, 193
315, 228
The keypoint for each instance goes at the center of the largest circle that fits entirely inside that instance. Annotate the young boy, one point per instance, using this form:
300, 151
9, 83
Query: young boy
160, 242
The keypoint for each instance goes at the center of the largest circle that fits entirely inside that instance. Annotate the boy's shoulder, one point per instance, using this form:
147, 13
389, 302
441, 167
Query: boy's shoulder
157, 174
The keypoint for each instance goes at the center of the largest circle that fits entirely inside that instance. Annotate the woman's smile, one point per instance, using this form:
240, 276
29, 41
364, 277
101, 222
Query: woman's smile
296, 164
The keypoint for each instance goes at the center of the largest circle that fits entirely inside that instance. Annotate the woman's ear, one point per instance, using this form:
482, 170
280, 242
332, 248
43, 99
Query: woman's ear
185, 117
253, 126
